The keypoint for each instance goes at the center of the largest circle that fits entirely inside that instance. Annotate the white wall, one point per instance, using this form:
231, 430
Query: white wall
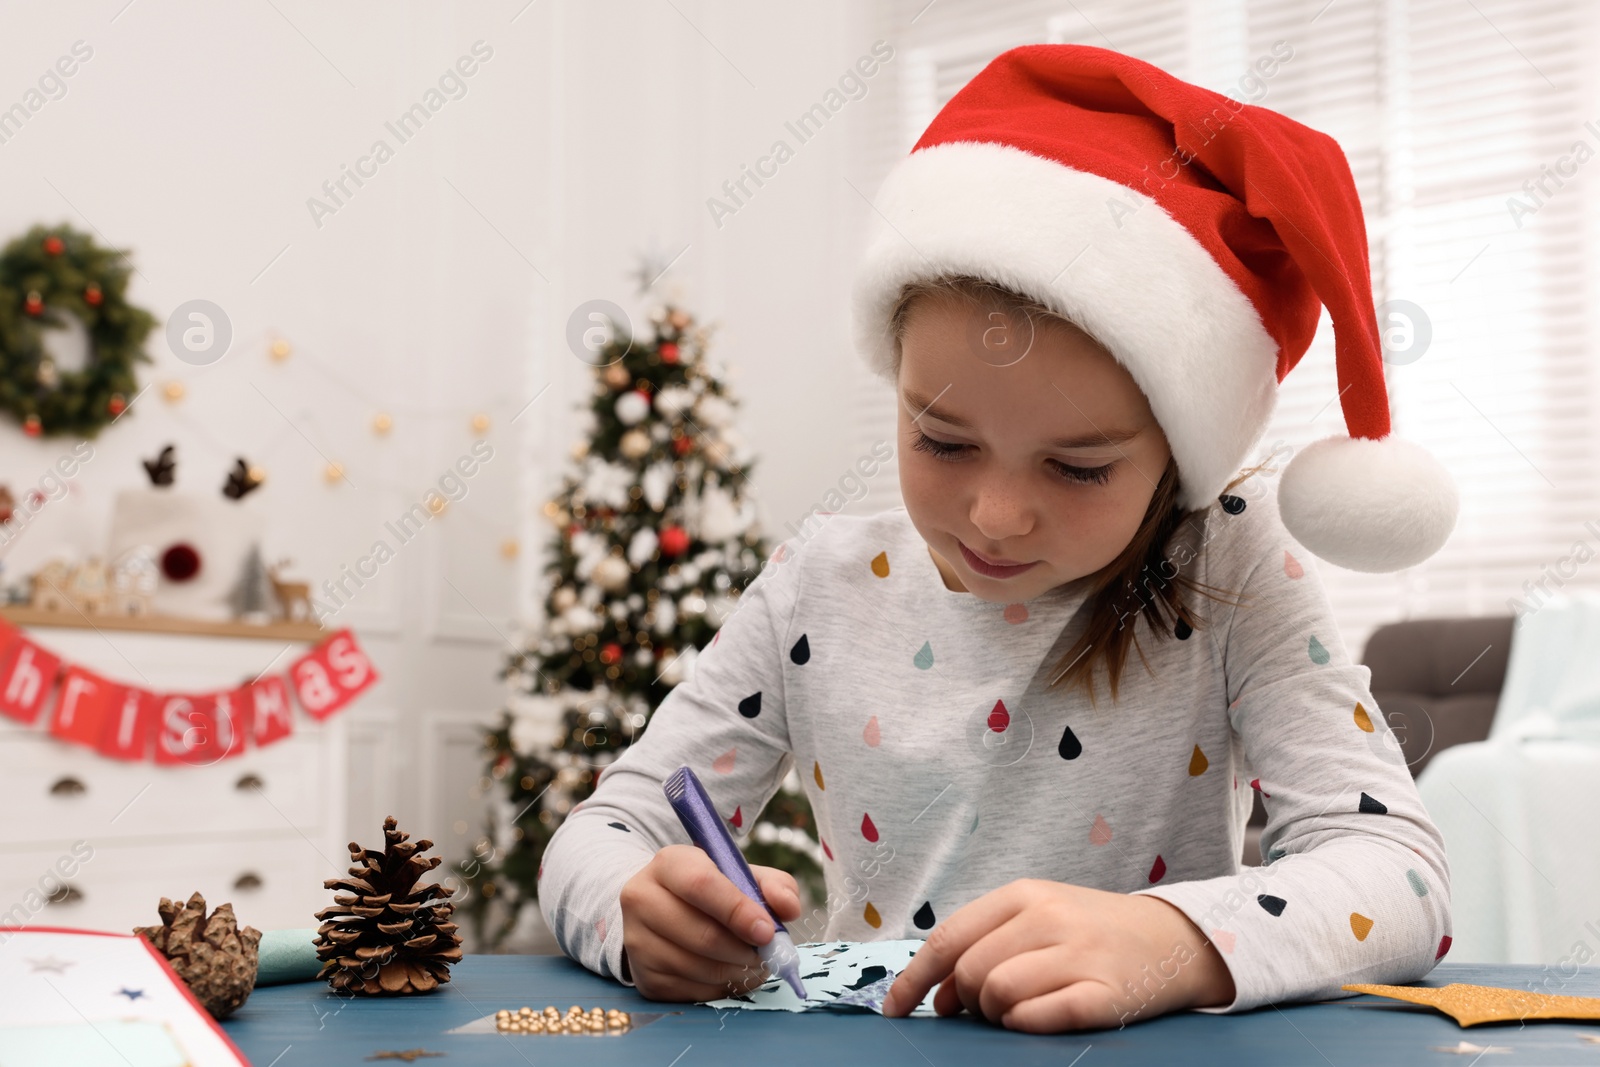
195, 135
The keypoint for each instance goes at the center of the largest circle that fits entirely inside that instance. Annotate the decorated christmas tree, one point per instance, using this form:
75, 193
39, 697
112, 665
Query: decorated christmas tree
655, 539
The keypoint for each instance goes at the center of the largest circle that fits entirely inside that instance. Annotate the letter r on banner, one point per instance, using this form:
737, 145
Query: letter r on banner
81, 707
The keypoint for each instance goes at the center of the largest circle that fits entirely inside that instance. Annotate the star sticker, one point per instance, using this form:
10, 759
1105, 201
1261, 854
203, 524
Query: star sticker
131, 994
1466, 1047
50, 963
410, 1055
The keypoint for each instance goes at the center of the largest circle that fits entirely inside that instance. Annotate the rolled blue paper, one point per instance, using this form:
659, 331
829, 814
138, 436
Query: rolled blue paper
287, 956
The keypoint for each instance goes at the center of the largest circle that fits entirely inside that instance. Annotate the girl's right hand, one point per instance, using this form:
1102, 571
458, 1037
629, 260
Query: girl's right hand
688, 933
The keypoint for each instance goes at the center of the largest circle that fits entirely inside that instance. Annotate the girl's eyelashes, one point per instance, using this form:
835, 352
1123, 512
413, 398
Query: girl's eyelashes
947, 450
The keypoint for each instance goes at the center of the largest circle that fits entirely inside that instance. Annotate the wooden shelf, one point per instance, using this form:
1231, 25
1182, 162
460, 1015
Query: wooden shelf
164, 624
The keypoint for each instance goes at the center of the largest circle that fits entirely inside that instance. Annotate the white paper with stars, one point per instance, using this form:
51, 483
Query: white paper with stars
106, 992
838, 976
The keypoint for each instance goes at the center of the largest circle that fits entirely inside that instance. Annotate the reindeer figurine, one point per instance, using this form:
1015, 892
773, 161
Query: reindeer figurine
293, 597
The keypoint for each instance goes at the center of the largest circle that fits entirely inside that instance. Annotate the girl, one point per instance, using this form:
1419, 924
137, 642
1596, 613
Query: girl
1085, 283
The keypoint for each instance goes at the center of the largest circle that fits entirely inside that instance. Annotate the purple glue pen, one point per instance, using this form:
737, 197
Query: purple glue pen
705, 826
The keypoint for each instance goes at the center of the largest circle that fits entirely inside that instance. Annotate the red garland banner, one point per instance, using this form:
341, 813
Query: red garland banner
125, 722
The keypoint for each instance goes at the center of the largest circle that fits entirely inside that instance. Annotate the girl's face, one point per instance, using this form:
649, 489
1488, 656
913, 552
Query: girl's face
1021, 442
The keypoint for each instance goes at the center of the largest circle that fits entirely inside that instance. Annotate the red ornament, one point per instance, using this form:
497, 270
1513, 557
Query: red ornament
674, 541
32, 426
117, 404
573, 528
180, 562
611, 653
34, 303
669, 352
682, 444
93, 296
53, 245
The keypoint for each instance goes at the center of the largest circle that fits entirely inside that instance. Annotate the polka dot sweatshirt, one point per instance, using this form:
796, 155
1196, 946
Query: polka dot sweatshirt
942, 765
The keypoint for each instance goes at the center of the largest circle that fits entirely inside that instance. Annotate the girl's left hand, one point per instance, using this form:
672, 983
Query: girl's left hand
1047, 956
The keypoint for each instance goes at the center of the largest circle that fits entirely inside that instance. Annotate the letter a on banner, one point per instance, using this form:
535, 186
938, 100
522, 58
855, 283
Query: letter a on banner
331, 675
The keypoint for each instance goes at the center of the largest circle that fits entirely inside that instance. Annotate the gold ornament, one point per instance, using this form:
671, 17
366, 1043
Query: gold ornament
382, 423
480, 422
258, 474
634, 444
333, 472
617, 376
438, 504
173, 391
280, 350
509, 548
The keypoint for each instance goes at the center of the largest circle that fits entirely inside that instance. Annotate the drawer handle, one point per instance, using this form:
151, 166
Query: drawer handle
67, 894
248, 781
68, 787
247, 880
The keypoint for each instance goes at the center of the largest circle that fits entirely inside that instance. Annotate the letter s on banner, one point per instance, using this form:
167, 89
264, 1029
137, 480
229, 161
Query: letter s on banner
331, 675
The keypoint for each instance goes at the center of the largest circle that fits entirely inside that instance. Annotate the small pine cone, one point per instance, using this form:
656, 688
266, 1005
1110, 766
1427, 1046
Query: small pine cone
214, 957
383, 934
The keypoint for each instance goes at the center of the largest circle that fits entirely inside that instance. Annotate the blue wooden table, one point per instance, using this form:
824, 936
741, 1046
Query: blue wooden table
305, 1024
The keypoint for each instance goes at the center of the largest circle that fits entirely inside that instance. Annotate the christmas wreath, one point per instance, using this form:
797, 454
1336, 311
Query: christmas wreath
46, 274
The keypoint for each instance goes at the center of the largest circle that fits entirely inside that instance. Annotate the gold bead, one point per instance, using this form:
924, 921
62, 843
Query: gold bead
333, 472
382, 423
173, 391
480, 422
280, 350
258, 474
509, 548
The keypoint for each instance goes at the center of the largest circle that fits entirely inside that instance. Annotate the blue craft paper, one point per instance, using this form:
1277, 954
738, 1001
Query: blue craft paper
838, 975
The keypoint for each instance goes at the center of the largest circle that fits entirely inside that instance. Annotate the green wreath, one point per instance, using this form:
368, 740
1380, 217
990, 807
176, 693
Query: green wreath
46, 274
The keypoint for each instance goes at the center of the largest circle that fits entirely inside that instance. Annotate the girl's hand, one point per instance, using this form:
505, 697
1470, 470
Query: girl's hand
1046, 957
688, 932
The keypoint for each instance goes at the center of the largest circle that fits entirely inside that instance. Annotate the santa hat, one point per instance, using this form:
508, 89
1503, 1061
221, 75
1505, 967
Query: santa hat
1196, 238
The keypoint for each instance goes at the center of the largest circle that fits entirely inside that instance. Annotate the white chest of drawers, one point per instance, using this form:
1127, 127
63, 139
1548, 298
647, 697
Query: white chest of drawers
95, 843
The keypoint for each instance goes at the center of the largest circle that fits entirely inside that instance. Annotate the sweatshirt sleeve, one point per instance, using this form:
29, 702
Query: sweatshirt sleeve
727, 722
1355, 885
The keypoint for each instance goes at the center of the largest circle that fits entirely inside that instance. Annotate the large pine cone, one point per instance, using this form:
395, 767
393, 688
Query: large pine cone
215, 958
382, 935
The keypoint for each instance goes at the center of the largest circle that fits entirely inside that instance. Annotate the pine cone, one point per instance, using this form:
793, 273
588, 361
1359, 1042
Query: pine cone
213, 956
382, 935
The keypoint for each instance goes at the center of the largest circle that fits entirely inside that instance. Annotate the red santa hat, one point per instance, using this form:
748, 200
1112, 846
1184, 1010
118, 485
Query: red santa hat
1197, 238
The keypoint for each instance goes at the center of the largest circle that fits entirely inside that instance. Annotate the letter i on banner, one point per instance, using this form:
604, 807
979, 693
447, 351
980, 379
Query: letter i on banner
27, 673
130, 723
331, 675
82, 707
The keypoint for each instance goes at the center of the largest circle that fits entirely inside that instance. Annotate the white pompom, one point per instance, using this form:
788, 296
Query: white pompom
1368, 505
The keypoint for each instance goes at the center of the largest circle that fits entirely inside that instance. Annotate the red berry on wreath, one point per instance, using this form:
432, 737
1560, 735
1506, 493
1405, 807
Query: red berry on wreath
117, 404
674, 541
611, 653
32, 426
92, 295
53, 245
681, 445
669, 353
34, 303
180, 562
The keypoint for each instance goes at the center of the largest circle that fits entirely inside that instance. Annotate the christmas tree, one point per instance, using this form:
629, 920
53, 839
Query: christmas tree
655, 539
